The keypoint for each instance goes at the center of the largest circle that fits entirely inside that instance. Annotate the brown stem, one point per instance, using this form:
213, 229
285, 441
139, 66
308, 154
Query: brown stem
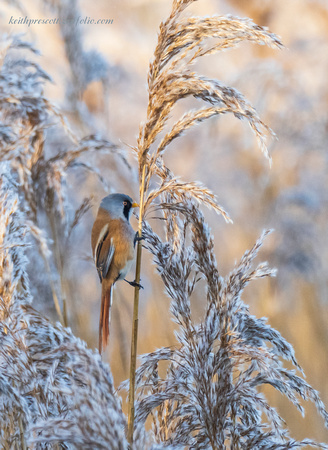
134, 338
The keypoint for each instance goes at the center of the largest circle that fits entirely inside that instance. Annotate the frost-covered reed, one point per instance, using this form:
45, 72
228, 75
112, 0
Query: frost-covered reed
53, 389
27, 117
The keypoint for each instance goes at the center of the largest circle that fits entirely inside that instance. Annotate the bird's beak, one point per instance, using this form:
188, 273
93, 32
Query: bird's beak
135, 205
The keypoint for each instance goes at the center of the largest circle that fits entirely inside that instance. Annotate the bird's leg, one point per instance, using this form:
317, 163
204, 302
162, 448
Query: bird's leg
134, 284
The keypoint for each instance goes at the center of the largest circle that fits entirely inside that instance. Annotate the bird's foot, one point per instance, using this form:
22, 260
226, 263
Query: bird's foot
134, 284
138, 238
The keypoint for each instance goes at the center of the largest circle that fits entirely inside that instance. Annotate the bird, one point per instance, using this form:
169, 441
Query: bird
113, 242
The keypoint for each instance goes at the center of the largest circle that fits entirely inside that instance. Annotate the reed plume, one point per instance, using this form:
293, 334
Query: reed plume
209, 395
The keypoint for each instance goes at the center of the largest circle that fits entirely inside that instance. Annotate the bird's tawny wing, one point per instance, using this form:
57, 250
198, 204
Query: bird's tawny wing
104, 252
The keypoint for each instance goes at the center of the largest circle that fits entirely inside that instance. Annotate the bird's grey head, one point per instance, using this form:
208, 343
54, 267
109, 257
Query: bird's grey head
119, 206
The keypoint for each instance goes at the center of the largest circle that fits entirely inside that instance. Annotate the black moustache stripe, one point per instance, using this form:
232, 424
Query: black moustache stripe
126, 210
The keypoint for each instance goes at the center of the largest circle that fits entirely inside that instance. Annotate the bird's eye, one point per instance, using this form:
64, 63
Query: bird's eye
125, 203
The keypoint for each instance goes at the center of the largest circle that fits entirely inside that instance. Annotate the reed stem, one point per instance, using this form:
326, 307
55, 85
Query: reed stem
134, 338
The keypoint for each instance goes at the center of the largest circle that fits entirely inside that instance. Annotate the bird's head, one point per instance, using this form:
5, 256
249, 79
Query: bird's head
119, 206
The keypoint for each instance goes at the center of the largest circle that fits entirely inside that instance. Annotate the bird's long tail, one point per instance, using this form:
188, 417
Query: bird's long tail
105, 311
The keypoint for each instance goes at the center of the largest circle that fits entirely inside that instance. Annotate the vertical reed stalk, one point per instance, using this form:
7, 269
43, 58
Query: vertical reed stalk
59, 263
134, 338
54, 293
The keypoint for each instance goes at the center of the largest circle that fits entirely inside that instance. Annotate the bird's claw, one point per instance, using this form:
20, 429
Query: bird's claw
134, 284
138, 238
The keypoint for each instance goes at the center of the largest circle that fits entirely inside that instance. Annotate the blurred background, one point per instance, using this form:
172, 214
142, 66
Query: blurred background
99, 74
